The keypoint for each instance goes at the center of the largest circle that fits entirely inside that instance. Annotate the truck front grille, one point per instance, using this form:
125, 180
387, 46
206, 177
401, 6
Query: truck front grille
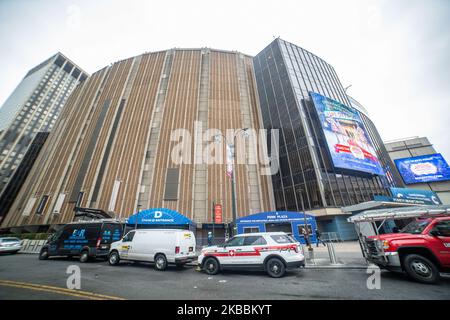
372, 247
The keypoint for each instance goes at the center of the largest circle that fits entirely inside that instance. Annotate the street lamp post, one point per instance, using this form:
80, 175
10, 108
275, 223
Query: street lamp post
137, 216
233, 179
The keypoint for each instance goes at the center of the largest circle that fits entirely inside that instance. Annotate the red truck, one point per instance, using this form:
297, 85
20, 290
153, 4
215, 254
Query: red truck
421, 249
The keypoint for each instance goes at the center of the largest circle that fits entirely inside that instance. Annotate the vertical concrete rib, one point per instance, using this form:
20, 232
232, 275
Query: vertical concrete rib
200, 183
154, 134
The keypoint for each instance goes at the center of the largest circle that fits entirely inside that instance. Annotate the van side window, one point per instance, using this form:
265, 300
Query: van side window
129, 237
254, 241
235, 242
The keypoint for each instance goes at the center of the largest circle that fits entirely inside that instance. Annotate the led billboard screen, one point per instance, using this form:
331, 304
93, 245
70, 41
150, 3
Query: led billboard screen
347, 138
429, 168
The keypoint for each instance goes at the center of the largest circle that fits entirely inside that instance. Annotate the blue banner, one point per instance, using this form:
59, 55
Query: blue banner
423, 169
347, 138
159, 216
275, 217
413, 196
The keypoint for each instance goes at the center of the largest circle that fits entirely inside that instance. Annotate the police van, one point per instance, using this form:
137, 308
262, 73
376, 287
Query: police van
273, 252
89, 239
160, 246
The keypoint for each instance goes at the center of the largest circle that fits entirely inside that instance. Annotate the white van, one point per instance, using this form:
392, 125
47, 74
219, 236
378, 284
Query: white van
161, 246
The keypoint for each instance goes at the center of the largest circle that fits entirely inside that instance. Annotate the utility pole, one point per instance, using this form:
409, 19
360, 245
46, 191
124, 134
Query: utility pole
310, 248
233, 180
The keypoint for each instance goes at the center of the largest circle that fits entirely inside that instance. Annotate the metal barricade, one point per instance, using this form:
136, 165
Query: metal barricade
331, 252
330, 237
203, 242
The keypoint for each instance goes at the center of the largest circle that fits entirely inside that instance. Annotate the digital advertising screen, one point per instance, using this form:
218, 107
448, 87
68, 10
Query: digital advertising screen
423, 169
347, 138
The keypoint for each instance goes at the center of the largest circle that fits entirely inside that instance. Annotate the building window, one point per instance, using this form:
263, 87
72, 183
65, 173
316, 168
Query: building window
41, 206
171, 190
79, 199
251, 229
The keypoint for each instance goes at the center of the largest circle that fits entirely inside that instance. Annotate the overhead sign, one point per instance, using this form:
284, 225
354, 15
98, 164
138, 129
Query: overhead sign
218, 213
423, 169
347, 138
413, 196
274, 217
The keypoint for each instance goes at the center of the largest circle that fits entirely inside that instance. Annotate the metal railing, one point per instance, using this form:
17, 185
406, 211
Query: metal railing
203, 242
330, 237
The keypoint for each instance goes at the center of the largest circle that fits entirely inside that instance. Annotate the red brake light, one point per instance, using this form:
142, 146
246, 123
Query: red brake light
177, 249
99, 240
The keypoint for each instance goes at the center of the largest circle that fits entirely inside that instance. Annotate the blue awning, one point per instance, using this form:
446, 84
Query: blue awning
159, 216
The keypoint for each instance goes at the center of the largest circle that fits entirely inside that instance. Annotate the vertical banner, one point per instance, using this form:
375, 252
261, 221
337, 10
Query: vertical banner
218, 213
229, 162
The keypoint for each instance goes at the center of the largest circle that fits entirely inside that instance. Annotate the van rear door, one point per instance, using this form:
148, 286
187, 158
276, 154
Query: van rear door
186, 242
111, 232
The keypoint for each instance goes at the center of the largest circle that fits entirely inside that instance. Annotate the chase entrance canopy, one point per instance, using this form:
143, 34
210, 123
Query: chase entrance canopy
159, 217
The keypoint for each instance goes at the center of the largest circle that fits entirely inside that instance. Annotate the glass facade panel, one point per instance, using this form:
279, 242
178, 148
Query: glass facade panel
285, 74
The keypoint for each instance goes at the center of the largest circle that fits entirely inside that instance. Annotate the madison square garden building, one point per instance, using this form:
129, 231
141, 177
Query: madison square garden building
111, 148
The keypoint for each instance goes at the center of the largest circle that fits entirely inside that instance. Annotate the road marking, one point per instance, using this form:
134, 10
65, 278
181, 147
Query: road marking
58, 290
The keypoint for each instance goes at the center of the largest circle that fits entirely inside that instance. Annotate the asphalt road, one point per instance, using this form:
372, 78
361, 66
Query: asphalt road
23, 276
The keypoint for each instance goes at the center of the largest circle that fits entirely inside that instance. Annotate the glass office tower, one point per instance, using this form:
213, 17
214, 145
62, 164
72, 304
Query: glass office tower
34, 106
286, 76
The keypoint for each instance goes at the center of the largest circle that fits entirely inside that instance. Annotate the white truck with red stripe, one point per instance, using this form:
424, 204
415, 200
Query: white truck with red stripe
273, 252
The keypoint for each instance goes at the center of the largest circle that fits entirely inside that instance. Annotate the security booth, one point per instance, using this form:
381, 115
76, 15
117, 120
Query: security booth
289, 222
159, 218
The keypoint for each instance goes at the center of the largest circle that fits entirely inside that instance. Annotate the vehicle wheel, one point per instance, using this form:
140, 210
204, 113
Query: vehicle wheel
211, 266
421, 269
275, 268
43, 255
84, 257
114, 258
160, 262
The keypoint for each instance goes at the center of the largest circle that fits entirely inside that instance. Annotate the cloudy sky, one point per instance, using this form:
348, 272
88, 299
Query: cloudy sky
394, 53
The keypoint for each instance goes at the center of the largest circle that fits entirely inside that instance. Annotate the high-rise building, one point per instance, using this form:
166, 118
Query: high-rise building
112, 147
34, 106
15, 184
331, 154
421, 166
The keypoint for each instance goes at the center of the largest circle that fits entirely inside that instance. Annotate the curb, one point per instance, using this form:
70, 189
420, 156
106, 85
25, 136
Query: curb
337, 267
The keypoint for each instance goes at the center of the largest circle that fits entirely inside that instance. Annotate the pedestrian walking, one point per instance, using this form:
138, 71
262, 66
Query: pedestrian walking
210, 238
319, 238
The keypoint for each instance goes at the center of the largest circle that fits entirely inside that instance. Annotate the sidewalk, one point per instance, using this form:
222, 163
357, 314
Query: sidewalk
348, 255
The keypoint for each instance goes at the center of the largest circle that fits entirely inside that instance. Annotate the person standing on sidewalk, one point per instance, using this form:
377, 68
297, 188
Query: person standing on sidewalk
319, 239
305, 236
210, 238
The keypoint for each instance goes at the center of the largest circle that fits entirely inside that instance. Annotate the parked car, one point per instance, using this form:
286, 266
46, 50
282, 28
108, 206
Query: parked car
84, 239
273, 252
10, 245
160, 246
421, 249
